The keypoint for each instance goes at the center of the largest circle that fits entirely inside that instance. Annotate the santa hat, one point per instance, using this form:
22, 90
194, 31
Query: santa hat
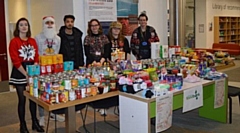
48, 18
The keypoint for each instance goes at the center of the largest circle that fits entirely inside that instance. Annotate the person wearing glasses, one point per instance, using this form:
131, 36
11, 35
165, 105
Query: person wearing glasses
96, 44
142, 37
71, 42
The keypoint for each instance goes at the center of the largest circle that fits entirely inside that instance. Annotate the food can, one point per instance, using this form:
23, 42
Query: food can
67, 84
35, 82
31, 90
49, 69
72, 95
56, 97
30, 81
83, 92
74, 83
78, 93
63, 97
35, 92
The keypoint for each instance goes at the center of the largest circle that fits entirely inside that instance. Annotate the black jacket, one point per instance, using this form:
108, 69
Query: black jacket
65, 46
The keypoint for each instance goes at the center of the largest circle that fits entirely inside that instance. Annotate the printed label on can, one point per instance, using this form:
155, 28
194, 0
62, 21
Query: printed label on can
72, 95
35, 82
30, 80
35, 92
67, 84
57, 98
31, 90
49, 69
83, 92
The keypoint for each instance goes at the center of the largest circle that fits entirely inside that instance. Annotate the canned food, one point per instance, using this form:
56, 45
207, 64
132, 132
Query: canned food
35, 92
72, 95
56, 97
74, 83
35, 82
78, 93
83, 92
67, 84
63, 97
31, 90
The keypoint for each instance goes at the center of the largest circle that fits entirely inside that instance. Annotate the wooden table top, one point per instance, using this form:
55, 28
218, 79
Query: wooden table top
50, 107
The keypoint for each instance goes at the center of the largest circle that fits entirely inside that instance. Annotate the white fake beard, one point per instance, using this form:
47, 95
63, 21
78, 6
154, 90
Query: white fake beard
49, 33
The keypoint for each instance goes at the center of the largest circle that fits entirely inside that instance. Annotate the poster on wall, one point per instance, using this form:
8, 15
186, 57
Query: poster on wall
127, 14
164, 112
219, 93
103, 10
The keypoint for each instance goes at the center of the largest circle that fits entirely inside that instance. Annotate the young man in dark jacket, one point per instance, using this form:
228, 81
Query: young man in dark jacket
71, 42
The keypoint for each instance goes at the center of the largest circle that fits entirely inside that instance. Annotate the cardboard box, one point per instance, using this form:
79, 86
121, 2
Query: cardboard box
155, 50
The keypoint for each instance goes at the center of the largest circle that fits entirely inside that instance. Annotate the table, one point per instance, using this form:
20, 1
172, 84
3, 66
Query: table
70, 114
136, 111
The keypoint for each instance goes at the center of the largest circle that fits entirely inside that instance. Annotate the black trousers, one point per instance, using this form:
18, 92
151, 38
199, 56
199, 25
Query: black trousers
21, 104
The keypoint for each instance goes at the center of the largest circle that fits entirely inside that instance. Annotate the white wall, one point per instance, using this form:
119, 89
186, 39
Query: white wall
205, 13
200, 18
55, 8
218, 12
13, 11
79, 12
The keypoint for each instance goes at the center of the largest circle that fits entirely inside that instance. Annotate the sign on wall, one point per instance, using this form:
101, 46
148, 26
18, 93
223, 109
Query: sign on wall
103, 10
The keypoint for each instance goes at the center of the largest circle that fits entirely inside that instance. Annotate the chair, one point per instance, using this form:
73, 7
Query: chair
232, 92
104, 104
62, 111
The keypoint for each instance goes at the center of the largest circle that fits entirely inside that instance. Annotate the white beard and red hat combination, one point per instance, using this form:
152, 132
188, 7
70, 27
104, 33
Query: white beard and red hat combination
48, 41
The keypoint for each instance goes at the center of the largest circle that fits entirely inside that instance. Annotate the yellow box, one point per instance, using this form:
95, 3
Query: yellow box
49, 60
43, 60
54, 59
59, 58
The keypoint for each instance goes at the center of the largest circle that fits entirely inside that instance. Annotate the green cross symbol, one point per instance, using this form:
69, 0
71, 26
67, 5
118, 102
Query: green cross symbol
196, 95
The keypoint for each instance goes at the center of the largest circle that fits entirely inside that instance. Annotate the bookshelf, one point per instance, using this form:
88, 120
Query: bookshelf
226, 29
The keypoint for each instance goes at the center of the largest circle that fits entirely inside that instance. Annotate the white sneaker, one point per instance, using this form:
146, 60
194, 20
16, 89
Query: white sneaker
103, 112
42, 121
60, 118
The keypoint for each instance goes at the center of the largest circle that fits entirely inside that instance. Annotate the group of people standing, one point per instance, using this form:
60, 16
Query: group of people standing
25, 50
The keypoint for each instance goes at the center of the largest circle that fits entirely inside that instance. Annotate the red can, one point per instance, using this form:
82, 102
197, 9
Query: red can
55, 68
49, 69
43, 69
60, 67
78, 94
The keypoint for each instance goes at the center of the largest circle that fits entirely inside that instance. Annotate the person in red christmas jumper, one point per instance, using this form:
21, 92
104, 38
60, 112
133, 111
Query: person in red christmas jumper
48, 44
23, 51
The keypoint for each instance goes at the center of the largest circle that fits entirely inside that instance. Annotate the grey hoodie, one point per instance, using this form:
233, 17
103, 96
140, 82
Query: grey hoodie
48, 46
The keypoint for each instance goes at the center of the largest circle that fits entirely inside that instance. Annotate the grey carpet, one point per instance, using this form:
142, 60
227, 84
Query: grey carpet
233, 75
182, 123
4, 87
8, 109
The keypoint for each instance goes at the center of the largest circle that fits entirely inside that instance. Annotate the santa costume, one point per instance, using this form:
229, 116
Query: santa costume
48, 41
